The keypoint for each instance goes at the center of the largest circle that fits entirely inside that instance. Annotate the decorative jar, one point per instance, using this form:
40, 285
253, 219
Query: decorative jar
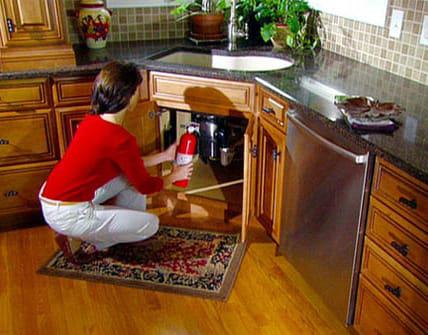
94, 22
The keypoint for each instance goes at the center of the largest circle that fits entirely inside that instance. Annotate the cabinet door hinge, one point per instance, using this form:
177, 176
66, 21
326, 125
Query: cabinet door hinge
254, 150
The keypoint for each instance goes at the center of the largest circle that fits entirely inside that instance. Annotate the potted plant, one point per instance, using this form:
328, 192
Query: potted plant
206, 17
289, 23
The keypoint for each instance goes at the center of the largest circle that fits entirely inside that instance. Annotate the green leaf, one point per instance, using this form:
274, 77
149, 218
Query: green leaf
267, 31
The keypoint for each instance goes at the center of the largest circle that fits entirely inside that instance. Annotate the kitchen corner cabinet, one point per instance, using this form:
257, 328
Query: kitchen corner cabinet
393, 289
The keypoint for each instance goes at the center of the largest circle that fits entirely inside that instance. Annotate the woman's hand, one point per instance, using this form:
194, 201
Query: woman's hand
180, 172
169, 154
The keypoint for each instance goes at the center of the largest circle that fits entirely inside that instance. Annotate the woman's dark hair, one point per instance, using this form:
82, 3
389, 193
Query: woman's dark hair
114, 87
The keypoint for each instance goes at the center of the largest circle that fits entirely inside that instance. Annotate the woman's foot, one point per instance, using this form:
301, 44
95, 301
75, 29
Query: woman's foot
68, 246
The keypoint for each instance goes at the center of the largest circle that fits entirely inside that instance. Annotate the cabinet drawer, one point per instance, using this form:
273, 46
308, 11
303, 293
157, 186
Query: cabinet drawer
396, 283
26, 137
72, 90
201, 94
374, 318
399, 237
19, 188
402, 192
24, 94
273, 109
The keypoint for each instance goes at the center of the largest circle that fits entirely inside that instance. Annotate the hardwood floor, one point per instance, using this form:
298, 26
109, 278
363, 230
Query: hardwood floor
268, 297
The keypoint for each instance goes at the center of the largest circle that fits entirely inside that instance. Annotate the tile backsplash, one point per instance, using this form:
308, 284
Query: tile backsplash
133, 24
372, 45
360, 41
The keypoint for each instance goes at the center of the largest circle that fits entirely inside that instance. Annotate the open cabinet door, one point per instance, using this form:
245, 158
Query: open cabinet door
250, 164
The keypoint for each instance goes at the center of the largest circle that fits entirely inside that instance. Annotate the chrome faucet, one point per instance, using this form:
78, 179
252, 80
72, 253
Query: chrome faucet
232, 28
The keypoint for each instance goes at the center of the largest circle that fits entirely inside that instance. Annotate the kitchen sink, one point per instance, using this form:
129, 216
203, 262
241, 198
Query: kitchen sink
236, 63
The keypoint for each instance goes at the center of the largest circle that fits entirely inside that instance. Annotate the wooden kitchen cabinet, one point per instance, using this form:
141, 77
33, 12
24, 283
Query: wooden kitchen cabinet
32, 22
270, 150
220, 97
38, 119
72, 96
270, 177
394, 267
28, 148
33, 35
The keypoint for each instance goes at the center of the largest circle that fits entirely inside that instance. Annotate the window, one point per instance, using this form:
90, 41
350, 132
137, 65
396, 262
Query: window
368, 11
138, 3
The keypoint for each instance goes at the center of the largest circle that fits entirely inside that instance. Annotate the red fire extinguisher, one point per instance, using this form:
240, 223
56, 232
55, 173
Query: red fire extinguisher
186, 149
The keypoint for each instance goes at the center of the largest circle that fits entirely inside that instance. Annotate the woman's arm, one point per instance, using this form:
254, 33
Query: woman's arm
164, 156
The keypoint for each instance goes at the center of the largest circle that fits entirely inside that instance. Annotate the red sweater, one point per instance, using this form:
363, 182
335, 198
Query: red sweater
99, 152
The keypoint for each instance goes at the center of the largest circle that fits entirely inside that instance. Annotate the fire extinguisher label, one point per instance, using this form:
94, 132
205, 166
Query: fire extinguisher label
183, 159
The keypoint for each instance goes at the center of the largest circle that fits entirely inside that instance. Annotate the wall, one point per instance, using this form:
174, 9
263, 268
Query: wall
132, 24
370, 44
364, 42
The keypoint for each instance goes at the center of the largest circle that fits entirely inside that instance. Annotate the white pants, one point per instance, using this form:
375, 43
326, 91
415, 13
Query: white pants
100, 225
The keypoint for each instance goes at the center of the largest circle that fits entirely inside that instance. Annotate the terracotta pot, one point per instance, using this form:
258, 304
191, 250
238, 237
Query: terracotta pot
279, 40
207, 26
94, 22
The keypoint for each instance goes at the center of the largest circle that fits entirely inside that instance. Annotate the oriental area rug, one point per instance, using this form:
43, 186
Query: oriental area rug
178, 260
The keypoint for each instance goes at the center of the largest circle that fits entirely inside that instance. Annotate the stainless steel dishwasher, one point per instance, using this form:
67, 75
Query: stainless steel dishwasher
326, 194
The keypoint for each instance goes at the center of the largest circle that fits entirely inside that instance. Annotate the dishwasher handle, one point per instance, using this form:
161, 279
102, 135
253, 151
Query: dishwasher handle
357, 159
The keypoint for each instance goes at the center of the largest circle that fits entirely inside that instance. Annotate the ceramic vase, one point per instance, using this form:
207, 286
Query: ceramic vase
279, 40
94, 22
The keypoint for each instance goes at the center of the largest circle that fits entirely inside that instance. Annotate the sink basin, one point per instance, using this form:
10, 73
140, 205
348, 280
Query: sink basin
236, 63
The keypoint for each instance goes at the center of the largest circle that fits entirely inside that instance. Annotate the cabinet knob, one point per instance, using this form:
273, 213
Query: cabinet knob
409, 203
4, 141
403, 249
395, 291
254, 151
275, 154
10, 25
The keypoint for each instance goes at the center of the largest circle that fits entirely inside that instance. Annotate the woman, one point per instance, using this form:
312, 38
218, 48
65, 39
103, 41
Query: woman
101, 163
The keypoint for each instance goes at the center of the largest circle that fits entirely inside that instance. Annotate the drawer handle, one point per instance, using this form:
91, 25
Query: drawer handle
395, 291
275, 154
403, 249
268, 110
409, 203
9, 194
3, 141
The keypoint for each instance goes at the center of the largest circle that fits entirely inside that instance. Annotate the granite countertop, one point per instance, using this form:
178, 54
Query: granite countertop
310, 86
